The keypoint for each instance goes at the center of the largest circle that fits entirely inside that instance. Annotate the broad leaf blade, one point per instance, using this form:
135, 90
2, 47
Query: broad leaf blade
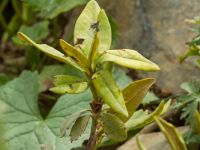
50, 51
83, 28
73, 52
141, 118
128, 58
114, 128
171, 133
135, 92
25, 128
109, 91
60, 6
79, 127
51, 9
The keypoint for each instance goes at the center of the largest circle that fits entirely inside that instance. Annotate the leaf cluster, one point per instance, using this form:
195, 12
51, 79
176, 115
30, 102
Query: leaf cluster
194, 44
113, 110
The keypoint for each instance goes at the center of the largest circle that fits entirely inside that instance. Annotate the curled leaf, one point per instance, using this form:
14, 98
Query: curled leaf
70, 121
128, 58
171, 133
44, 48
69, 84
141, 118
50, 51
70, 88
74, 53
79, 127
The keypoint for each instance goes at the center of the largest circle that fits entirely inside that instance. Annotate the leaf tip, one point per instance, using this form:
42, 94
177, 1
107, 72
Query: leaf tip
62, 42
22, 36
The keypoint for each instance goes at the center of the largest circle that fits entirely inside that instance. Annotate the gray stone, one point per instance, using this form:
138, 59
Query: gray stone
156, 28
151, 141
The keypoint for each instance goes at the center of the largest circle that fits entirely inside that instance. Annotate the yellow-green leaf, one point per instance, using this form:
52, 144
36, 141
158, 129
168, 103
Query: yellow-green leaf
67, 79
85, 26
79, 127
105, 35
139, 144
70, 88
45, 48
197, 121
114, 128
193, 50
135, 92
171, 133
128, 58
108, 90
74, 53
69, 84
50, 51
141, 118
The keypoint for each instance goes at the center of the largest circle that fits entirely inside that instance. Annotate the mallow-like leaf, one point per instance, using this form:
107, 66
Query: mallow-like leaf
37, 32
50, 51
190, 102
141, 118
135, 92
108, 90
114, 128
69, 84
171, 133
51, 9
24, 126
128, 58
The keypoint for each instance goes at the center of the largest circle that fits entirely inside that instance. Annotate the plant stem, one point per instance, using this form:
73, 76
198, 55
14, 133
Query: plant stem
93, 138
96, 107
